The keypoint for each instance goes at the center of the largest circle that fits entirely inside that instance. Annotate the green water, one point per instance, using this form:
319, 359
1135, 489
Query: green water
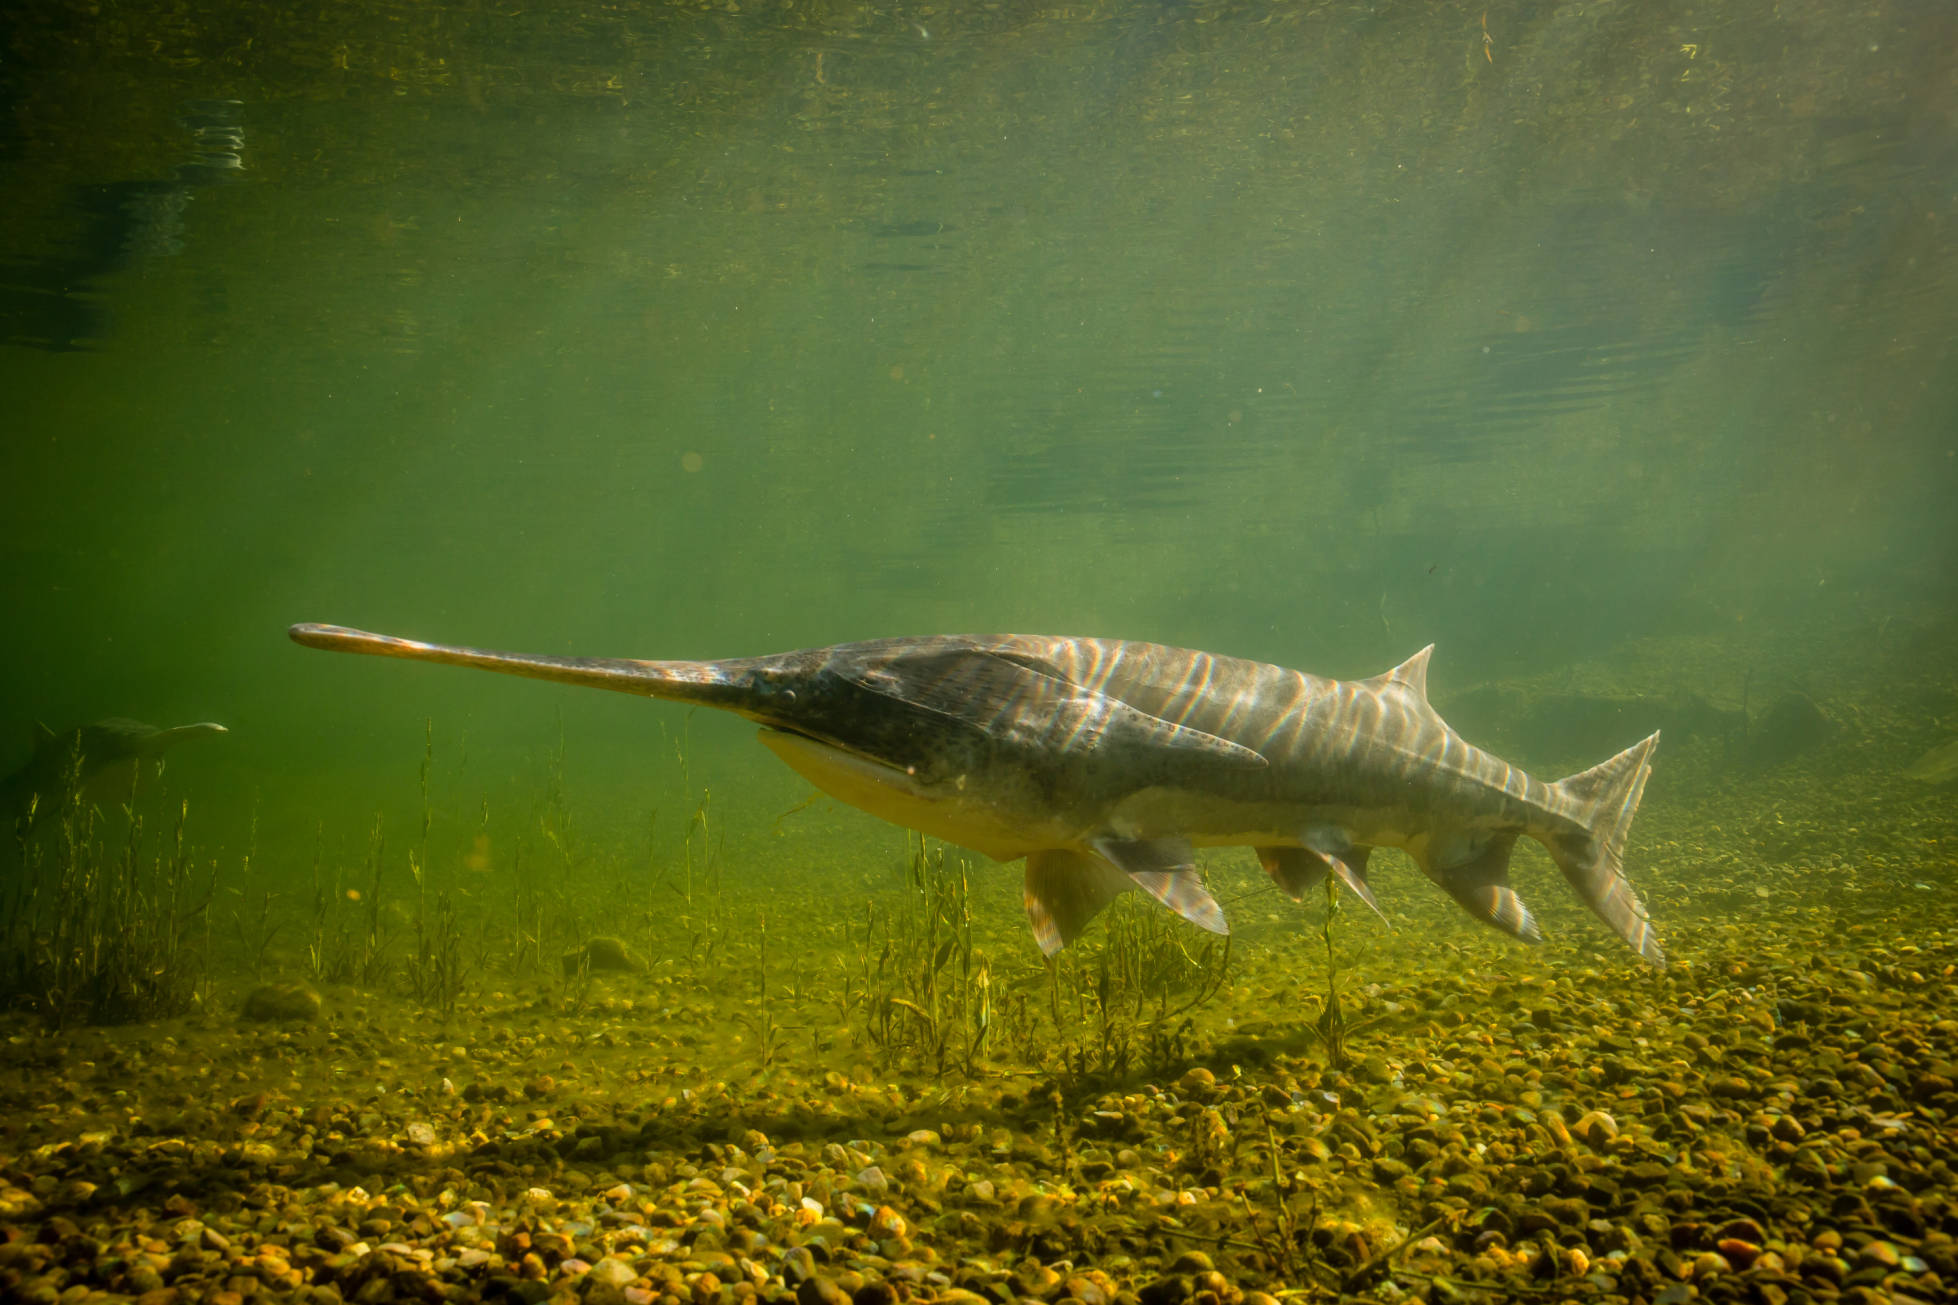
1610, 347
1307, 334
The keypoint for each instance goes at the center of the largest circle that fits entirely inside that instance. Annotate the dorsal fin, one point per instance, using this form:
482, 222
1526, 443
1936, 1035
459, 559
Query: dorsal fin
1411, 674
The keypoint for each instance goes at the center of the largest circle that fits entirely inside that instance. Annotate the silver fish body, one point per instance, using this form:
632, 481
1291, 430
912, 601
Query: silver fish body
1104, 763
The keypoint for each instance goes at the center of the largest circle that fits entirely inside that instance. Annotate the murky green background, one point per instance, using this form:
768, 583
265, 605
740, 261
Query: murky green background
1311, 333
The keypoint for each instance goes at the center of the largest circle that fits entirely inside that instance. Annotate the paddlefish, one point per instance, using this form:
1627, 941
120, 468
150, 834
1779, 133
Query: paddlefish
1106, 763
99, 760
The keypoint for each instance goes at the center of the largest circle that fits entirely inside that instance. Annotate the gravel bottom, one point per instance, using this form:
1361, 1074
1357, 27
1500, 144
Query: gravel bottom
1772, 1118
1737, 1127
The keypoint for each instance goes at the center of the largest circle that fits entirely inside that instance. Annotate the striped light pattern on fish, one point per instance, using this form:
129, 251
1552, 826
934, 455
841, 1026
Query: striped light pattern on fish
1105, 763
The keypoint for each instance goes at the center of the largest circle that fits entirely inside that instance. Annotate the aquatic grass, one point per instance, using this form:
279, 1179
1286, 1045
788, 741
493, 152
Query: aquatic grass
435, 968
319, 916
1333, 1027
527, 918
256, 931
347, 939
1293, 1254
1127, 1001
768, 1032
95, 936
554, 810
922, 993
370, 944
436, 974
926, 989
699, 888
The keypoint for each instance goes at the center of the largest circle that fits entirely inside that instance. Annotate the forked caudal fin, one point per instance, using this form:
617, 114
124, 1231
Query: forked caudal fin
1606, 797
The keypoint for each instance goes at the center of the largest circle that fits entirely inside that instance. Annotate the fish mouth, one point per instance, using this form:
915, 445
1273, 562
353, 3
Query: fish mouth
799, 749
789, 735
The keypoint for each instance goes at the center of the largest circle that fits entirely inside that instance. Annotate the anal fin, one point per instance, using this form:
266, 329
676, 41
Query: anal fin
1480, 885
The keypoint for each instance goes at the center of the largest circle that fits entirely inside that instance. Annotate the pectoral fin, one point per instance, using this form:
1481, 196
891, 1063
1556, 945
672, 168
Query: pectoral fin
1166, 869
1064, 891
1146, 855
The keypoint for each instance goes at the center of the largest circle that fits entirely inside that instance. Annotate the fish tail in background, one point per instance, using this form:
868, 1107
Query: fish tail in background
1604, 800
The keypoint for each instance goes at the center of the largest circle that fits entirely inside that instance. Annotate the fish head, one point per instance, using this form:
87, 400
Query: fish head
844, 703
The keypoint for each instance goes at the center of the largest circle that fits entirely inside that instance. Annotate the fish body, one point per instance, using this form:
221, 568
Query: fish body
100, 760
1104, 763
1938, 766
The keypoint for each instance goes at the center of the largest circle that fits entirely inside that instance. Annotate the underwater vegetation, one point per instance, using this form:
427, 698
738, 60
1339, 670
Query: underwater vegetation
499, 1055
104, 760
91, 930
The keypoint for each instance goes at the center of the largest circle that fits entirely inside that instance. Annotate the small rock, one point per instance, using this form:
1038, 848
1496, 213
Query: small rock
602, 955
1745, 1230
613, 1271
1792, 726
1709, 1264
287, 1002
1569, 1211
1035, 1279
1171, 1290
1387, 1170
798, 1266
334, 1239
1597, 1128
1082, 1288
1214, 1284
818, 1289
